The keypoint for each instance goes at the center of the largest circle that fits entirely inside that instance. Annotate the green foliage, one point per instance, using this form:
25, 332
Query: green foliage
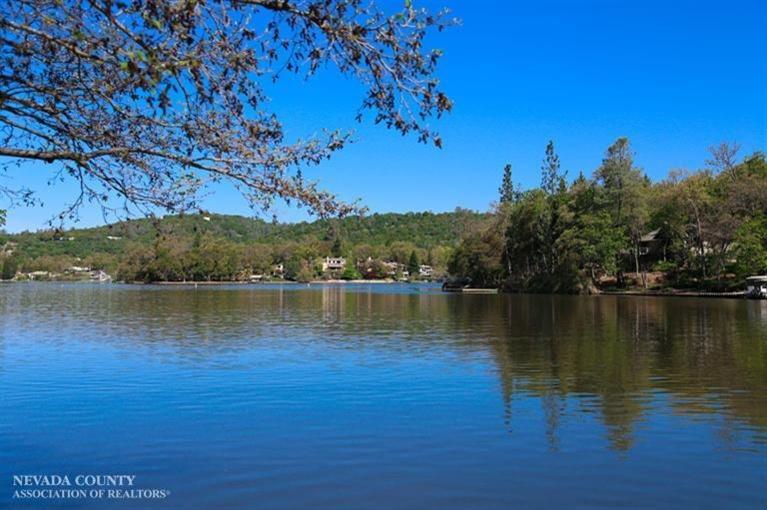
305, 272
751, 247
413, 264
506, 192
224, 248
9, 267
292, 267
479, 257
694, 227
350, 272
553, 181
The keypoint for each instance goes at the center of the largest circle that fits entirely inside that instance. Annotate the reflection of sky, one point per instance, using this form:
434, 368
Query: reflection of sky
349, 400
675, 77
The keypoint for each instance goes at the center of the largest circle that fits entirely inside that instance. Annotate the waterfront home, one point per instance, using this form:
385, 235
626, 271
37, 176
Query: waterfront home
650, 243
425, 271
100, 276
392, 268
756, 286
39, 275
278, 270
333, 264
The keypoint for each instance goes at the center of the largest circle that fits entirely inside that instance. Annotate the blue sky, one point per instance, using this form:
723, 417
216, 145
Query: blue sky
675, 77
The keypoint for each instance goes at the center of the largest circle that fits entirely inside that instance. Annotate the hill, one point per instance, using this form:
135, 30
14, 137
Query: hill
423, 229
135, 243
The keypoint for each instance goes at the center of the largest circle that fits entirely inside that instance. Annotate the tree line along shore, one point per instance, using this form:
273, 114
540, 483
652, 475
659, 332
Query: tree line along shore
617, 230
220, 248
613, 230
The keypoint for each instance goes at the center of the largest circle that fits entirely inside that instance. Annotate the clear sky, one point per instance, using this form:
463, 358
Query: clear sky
673, 76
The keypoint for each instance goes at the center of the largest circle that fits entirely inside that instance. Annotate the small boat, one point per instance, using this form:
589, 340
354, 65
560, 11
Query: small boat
756, 287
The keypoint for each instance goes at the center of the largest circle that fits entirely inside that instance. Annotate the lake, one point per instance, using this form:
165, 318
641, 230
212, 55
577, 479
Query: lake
383, 397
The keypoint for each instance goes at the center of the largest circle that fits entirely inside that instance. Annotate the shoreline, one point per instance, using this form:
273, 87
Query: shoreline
629, 293
281, 282
740, 294
234, 282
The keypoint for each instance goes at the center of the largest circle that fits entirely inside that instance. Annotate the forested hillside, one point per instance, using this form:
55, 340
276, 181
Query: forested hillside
225, 247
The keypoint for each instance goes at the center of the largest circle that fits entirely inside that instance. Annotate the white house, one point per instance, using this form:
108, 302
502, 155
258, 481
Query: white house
425, 271
333, 264
392, 268
100, 276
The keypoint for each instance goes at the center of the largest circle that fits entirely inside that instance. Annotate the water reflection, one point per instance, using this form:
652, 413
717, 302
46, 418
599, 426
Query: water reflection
616, 357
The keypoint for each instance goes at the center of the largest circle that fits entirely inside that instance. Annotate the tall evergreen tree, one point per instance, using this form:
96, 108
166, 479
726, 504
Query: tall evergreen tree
552, 179
9, 267
626, 190
614, 174
334, 236
506, 191
337, 249
413, 265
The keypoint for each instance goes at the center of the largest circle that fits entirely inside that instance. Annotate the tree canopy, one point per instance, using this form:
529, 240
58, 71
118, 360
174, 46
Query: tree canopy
220, 247
702, 229
150, 100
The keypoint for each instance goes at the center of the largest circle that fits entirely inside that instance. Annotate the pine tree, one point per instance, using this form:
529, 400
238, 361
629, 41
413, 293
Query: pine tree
413, 265
337, 249
9, 267
334, 235
506, 190
552, 180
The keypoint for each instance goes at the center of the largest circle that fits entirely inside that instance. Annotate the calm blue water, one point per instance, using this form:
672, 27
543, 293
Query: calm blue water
383, 396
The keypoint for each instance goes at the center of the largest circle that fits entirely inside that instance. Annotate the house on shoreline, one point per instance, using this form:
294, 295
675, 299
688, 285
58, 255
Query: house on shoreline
333, 264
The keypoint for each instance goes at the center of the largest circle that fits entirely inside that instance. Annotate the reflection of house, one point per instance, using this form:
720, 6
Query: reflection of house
333, 264
425, 271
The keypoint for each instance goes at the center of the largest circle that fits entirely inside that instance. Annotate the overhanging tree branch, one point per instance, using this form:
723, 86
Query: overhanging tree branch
153, 99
